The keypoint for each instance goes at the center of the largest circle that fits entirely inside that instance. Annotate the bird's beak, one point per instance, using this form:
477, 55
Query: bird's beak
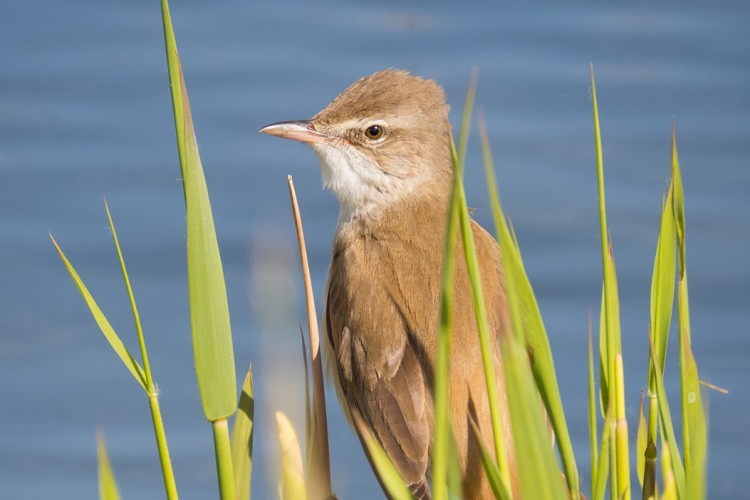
299, 130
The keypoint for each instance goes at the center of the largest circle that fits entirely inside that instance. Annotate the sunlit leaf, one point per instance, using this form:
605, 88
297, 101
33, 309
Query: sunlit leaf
242, 440
106, 328
107, 485
491, 470
534, 334
209, 311
641, 442
387, 473
292, 485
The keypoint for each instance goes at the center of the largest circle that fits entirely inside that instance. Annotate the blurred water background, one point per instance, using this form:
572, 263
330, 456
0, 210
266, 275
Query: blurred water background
85, 113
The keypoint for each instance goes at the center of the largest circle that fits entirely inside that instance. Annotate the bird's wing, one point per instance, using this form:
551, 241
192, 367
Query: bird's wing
389, 392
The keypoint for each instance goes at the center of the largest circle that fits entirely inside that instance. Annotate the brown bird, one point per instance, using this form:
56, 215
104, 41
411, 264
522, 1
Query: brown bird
384, 150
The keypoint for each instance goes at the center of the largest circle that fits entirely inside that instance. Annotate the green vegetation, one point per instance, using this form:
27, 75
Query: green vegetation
545, 471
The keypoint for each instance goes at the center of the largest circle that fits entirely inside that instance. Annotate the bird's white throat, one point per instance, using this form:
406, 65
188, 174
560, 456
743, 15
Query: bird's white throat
361, 188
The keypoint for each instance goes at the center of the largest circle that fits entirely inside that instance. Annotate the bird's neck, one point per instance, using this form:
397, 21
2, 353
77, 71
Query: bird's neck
418, 219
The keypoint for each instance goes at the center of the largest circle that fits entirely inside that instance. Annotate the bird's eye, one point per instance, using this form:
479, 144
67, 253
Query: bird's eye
374, 132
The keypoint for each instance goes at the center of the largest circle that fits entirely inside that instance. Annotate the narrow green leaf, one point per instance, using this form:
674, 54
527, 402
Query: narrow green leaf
695, 469
623, 447
663, 282
535, 335
695, 440
669, 491
441, 442
535, 459
292, 485
499, 487
662, 299
539, 476
209, 311
668, 436
242, 440
602, 468
592, 410
604, 389
463, 136
610, 340
480, 310
107, 485
153, 396
387, 473
136, 317
106, 328
641, 443
678, 203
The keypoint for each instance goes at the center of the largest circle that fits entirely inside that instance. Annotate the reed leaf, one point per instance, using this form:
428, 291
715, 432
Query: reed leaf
662, 300
663, 283
242, 439
695, 440
669, 491
537, 468
592, 398
442, 440
623, 448
153, 395
669, 441
107, 484
500, 488
209, 311
101, 320
599, 484
535, 336
292, 484
641, 441
472, 266
387, 473
612, 376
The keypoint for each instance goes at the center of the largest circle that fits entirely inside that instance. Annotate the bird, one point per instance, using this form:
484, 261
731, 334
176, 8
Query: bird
384, 147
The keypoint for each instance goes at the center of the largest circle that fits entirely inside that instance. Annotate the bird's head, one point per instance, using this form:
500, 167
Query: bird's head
383, 138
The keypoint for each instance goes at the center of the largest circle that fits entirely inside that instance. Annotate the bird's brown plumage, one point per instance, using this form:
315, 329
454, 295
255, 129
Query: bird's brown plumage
382, 317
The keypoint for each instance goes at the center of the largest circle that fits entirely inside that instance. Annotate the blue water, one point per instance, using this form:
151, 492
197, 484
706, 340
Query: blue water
85, 113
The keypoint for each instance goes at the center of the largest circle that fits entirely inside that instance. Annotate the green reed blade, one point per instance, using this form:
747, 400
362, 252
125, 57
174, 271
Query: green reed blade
535, 334
472, 266
106, 328
388, 474
242, 439
695, 440
442, 440
610, 340
538, 474
107, 485
292, 482
500, 488
599, 485
209, 311
136, 317
663, 282
677, 469
592, 398
641, 440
